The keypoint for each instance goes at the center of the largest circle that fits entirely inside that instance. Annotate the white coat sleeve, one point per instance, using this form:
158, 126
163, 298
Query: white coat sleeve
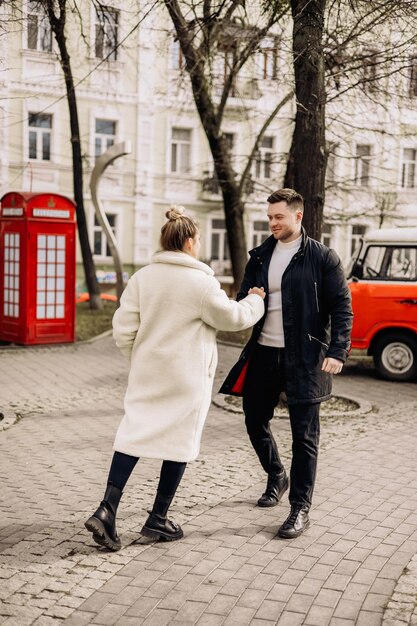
222, 313
126, 320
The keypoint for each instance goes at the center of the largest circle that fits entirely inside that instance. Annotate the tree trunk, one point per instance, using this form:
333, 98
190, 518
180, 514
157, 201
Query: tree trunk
306, 167
88, 262
233, 205
58, 26
233, 209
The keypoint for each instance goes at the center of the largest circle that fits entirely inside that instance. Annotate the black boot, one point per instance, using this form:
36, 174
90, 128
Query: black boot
103, 522
157, 526
296, 523
276, 486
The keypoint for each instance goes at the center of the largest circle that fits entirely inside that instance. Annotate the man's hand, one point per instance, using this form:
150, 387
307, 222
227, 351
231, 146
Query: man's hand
332, 366
260, 291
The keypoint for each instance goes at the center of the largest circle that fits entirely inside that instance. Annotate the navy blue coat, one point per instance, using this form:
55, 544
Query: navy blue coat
317, 318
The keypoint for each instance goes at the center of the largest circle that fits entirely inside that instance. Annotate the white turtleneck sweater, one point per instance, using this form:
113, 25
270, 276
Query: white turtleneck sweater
273, 329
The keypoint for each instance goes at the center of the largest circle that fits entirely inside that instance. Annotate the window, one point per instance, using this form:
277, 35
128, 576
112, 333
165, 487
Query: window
268, 57
224, 64
38, 28
11, 272
408, 171
230, 140
101, 247
264, 158
181, 150
357, 231
326, 234
105, 136
362, 165
331, 169
260, 232
390, 263
177, 57
412, 89
106, 33
50, 277
220, 255
369, 70
331, 148
40, 130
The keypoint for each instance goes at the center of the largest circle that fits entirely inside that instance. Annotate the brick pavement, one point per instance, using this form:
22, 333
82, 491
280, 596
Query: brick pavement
348, 568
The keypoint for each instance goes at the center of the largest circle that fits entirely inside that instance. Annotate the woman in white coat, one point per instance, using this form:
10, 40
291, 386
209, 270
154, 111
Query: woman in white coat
166, 326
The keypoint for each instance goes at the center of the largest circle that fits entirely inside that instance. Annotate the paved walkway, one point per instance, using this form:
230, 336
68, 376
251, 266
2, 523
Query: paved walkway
355, 565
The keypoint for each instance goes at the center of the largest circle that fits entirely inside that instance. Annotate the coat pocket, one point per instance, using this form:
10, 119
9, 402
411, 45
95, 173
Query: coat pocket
312, 338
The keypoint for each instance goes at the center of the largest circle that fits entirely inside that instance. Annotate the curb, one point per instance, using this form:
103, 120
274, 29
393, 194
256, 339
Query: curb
363, 407
402, 606
7, 419
49, 346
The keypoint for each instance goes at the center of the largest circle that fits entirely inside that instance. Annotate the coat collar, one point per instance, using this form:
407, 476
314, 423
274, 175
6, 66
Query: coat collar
181, 258
267, 247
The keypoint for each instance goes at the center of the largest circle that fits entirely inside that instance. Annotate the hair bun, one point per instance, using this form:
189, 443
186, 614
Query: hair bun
175, 212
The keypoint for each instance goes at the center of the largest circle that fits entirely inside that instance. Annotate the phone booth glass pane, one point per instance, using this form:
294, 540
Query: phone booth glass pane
11, 274
50, 293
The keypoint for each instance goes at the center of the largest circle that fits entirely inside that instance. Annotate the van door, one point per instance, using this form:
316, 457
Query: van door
385, 305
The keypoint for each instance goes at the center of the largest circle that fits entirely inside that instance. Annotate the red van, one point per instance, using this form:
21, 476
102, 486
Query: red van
383, 282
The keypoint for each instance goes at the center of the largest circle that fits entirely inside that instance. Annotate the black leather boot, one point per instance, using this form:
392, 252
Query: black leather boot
276, 486
158, 526
103, 522
296, 523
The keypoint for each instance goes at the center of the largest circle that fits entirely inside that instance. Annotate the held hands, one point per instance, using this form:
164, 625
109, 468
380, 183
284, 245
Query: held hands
332, 366
259, 291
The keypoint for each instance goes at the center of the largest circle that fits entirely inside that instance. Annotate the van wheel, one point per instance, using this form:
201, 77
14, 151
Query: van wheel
395, 357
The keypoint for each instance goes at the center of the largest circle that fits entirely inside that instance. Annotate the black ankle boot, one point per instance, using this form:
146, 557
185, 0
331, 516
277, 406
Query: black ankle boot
296, 523
276, 486
103, 522
157, 526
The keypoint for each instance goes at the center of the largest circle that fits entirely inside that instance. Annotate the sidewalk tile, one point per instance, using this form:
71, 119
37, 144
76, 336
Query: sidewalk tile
319, 616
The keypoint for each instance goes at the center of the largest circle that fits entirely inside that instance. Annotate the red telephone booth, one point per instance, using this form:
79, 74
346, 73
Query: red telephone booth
37, 268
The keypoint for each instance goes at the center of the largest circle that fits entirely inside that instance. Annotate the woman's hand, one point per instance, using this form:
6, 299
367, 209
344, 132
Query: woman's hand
259, 291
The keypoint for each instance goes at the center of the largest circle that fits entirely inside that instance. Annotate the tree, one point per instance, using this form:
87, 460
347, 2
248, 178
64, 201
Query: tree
206, 30
306, 166
56, 11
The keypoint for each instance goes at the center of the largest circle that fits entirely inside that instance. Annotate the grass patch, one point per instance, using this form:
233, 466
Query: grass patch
89, 323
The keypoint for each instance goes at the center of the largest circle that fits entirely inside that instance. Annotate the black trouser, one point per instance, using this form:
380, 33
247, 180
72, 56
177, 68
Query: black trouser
123, 464
263, 384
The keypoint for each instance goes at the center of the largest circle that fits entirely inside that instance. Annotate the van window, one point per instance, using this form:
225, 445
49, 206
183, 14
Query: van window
394, 263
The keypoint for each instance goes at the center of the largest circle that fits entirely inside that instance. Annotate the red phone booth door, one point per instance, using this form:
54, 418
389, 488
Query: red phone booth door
51, 282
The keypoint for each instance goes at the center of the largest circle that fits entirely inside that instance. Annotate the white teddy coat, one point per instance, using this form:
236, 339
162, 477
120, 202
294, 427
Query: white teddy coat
166, 324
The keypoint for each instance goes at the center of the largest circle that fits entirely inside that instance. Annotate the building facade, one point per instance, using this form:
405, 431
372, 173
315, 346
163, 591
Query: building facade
131, 85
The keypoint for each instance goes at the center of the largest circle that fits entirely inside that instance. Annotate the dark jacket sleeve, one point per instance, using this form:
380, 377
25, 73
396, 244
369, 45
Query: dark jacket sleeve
338, 301
249, 279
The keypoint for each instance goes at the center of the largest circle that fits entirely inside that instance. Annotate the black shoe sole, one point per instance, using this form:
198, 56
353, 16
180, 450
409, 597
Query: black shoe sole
100, 535
284, 534
267, 504
159, 535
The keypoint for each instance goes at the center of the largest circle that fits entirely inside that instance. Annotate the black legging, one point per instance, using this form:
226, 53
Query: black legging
123, 465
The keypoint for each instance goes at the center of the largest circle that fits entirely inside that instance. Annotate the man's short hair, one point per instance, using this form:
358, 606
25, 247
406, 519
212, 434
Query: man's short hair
294, 199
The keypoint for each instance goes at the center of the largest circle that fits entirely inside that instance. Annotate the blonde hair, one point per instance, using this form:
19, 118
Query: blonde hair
177, 229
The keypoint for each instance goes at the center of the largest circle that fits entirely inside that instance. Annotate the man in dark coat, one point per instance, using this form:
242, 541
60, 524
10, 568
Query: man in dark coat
302, 340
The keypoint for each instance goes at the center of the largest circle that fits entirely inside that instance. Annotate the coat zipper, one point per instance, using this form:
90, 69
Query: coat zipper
317, 297
315, 338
